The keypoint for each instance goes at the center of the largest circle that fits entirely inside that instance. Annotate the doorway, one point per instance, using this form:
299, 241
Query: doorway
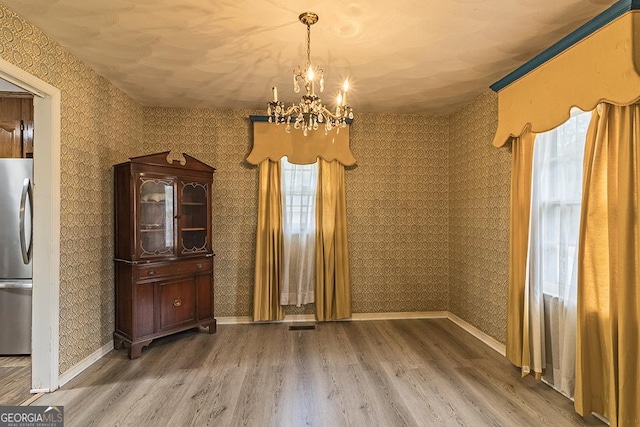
46, 226
16, 268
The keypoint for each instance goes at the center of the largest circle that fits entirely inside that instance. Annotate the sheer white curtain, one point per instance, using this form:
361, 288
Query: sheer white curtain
551, 281
299, 185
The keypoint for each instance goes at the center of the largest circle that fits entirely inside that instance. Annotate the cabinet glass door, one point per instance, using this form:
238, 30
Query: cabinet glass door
156, 216
193, 217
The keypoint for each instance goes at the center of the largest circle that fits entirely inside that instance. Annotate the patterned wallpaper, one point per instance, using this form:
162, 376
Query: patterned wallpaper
397, 205
479, 188
100, 127
219, 138
397, 212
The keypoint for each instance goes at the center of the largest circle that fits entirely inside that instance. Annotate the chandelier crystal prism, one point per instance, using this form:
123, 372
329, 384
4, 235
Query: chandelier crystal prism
310, 113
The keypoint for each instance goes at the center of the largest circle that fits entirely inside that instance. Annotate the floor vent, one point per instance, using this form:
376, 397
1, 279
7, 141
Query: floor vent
302, 327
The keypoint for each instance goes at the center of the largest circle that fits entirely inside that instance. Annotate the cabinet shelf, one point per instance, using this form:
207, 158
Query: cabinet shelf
194, 229
193, 204
152, 202
150, 230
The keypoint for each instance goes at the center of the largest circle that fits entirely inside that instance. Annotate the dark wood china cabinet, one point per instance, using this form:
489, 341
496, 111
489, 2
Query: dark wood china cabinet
163, 253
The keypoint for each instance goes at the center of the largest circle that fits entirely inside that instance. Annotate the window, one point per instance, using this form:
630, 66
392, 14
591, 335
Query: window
551, 285
558, 162
299, 185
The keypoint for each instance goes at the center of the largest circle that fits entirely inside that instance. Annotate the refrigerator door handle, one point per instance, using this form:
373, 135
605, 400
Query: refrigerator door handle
26, 193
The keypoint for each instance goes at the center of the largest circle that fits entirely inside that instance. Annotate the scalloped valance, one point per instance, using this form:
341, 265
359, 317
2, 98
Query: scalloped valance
604, 65
271, 141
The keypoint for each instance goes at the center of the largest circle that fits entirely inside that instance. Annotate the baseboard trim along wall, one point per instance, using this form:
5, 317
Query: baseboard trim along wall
485, 338
84, 364
239, 320
234, 320
401, 315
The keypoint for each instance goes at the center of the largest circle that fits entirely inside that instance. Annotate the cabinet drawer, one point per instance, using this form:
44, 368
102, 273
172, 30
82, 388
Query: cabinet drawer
175, 268
177, 303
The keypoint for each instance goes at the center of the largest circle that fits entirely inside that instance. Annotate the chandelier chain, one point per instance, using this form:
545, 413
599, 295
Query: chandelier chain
308, 45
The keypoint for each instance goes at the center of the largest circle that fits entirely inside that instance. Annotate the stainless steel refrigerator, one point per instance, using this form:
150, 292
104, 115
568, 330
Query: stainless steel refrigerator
16, 216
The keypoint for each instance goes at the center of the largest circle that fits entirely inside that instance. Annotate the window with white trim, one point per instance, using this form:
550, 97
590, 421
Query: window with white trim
560, 187
299, 185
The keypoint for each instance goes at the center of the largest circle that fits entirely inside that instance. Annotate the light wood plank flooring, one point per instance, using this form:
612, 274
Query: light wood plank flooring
15, 380
367, 373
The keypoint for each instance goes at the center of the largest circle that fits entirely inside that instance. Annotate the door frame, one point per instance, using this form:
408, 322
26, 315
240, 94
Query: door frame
45, 339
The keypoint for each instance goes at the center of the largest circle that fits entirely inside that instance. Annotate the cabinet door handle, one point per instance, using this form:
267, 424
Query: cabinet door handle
151, 272
177, 303
199, 266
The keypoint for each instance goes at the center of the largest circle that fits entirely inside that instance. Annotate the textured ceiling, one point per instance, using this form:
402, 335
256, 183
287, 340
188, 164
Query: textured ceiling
427, 57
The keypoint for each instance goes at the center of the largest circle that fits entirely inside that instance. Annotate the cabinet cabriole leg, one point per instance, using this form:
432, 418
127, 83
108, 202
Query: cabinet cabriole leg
135, 350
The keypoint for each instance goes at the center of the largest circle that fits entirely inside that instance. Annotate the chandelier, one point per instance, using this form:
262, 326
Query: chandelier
310, 113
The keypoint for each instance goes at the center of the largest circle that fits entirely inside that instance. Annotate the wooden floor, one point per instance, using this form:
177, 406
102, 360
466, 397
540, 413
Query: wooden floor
15, 380
366, 373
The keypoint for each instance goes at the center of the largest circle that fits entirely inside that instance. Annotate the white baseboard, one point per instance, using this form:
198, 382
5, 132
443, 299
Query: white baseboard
602, 418
84, 364
487, 339
234, 320
242, 320
401, 315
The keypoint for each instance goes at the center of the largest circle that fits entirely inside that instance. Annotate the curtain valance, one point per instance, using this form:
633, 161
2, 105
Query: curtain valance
603, 66
272, 141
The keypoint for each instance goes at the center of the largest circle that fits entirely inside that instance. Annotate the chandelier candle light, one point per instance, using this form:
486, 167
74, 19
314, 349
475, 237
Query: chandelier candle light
310, 112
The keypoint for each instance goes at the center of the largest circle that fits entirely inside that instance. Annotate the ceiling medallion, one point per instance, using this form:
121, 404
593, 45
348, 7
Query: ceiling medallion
310, 113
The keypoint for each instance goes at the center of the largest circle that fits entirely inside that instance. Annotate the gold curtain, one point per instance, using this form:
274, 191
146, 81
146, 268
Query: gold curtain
268, 269
517, 330
333, 290
608, 336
